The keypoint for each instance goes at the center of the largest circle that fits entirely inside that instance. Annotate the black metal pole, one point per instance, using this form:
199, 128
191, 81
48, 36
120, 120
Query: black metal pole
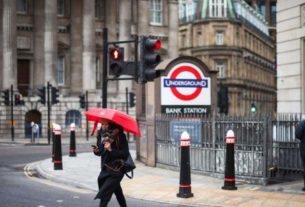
136, 57
57, 149
127, 103
229, 178
185, 168
127, 106
105, 75
72, 151
87, 124
12, 114
49, 111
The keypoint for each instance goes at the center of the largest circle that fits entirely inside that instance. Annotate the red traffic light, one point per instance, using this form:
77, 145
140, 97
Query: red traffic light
157, 45
116, 53
152, 44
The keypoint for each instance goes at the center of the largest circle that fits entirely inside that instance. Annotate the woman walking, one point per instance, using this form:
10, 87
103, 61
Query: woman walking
113, 148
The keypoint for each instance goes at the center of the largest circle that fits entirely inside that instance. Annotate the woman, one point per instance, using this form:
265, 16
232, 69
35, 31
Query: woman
112, 149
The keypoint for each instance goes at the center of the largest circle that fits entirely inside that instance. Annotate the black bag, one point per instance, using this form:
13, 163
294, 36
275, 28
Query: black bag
299, 130
129, 166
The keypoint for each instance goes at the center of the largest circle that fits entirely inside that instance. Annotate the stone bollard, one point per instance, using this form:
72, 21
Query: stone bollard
229, 179
185, 170
57, 147
72, 151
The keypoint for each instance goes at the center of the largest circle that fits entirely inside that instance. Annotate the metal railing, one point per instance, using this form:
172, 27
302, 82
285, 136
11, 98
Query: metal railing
263, 144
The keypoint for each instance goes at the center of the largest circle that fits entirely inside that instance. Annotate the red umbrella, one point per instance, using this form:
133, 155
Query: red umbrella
128, 123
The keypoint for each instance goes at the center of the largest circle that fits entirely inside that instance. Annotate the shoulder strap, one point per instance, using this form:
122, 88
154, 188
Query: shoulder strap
129, 176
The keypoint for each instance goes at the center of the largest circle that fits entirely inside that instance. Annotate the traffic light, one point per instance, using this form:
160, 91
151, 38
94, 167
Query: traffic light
41, 92
6, 97
18, 99
54, 95
132, 99
82, 102
149, 59
223, 99
116, 61
253, 108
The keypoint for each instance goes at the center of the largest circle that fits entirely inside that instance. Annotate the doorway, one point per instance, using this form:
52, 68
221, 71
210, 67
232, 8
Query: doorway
32, 116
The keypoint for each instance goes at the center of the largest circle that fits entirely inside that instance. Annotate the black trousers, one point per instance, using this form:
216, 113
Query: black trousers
109, 183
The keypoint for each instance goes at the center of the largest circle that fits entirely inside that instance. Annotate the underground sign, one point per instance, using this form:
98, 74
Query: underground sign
185, 90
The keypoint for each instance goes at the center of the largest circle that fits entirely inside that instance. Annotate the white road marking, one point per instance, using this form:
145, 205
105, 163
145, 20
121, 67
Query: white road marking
29, 174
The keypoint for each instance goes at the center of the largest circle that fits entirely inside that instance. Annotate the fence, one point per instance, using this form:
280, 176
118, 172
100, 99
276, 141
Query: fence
263, 144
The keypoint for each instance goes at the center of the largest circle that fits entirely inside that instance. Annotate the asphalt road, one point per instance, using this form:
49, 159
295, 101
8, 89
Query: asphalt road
20, 188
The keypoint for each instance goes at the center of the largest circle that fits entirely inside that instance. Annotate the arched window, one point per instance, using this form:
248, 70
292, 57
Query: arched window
74, 116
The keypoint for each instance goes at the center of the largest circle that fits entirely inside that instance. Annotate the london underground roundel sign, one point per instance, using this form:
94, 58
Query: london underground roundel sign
185, 84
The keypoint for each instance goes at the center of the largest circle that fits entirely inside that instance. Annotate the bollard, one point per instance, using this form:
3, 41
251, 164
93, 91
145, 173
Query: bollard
72, 151
57, 148
185, 170
229, 179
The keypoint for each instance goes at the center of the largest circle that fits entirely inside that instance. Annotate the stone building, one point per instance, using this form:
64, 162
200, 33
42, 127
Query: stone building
61, 42
231, 37
291, 56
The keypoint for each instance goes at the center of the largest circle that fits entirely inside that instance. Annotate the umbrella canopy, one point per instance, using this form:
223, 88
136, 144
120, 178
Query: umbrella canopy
128, 123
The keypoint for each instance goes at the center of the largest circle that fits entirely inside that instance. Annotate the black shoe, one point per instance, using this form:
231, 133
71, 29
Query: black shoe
303, 189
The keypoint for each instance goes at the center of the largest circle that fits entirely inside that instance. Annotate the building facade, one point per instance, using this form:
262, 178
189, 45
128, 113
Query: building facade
61, 42
232, 38
291, 56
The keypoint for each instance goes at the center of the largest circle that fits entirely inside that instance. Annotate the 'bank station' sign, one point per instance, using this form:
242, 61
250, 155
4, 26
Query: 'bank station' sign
185, 90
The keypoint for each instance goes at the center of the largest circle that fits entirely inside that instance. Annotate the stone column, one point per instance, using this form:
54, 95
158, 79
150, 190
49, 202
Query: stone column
173, 29
76, 46
9, 40
39, 23
50, 41
125, 34
110, 19
89, 79
143, 21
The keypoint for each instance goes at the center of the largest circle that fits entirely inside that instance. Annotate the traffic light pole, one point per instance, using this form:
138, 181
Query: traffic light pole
105, 74
49, 111
87, 124
12, 114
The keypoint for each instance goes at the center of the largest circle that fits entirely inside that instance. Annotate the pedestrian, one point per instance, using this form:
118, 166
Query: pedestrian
35, 131
300, 134
113, 148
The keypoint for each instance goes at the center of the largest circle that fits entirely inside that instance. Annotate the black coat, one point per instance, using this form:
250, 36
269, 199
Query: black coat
300, 134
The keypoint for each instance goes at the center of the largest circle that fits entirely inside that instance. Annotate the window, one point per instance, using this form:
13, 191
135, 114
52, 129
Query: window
98, 9
21, 6
73, 116
218, 8
156, 12
219, 38
220, 66
187, 10
199, 39
61, 8
60, 70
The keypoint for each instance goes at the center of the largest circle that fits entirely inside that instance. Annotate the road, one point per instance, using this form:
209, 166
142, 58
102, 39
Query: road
20, 188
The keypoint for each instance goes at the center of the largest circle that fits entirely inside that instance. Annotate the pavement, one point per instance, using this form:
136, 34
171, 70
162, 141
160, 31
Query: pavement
162, 185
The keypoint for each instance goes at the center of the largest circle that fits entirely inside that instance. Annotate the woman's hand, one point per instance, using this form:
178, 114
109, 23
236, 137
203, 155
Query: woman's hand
107, 146
95, 149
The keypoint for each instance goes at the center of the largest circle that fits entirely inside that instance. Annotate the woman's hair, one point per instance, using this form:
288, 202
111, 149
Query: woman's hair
113, 126
116, 131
